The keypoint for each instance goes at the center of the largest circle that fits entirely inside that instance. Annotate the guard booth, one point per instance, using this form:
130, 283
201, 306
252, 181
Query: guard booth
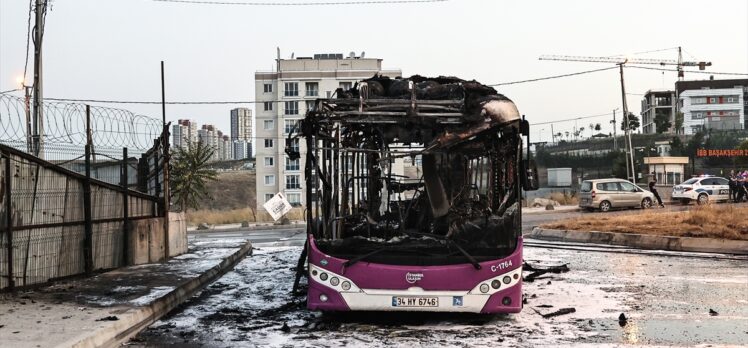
668, 170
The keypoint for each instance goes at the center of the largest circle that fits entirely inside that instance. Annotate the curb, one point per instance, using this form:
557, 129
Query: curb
643, 241
250, 228
577, 209
135, 320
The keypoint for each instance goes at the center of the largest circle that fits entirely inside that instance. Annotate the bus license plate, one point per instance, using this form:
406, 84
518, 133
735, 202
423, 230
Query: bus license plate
399, 301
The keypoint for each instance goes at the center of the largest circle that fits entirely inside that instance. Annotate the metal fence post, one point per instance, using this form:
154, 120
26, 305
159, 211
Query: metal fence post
9, 221
88, 237
165, 171
125, 209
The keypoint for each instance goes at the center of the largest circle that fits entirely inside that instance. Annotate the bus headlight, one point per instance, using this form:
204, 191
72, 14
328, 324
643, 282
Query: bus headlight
346, 285
484, 288
495, 284
507, 279
334, 281
323, 276
323, 298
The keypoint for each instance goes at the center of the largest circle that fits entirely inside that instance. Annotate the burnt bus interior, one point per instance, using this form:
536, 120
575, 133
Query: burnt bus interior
464, 204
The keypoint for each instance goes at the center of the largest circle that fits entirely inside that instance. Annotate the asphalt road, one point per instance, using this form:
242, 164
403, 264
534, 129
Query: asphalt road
668, 299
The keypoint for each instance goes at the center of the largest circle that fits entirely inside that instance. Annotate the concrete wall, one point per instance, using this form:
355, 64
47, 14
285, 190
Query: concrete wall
177, 234
145, 240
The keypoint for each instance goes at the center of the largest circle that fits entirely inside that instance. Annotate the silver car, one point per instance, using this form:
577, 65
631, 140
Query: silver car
607, 194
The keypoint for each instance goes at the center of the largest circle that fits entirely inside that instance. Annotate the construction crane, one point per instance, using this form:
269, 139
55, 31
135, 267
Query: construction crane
621, 62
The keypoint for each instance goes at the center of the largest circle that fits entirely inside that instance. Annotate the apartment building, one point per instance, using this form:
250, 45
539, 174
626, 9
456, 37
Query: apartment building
658, 103
713, 104
283, 96
183, 133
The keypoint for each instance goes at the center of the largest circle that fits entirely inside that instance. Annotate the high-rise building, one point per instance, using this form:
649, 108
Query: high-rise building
283, 97
184, 133
241, 124
242, 149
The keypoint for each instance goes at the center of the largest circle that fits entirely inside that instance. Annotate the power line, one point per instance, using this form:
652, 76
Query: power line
28, 39
688, 71
643, 52
324, 3
552, 77
571, 119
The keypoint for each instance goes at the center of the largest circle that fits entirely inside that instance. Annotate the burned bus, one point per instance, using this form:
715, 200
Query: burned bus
444, 235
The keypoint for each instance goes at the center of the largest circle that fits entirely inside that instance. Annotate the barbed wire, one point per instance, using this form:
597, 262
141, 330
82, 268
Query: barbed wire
65, 124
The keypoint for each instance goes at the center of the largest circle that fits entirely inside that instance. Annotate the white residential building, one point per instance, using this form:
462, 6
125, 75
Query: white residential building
713, 104
184, 132
656, 103
283, 97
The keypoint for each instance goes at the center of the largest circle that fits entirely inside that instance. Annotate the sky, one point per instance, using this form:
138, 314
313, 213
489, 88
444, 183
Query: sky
112, 49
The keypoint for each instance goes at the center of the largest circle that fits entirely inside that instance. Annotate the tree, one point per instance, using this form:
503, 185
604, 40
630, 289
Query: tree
676, 147
679, 123
598, 127
189, 174
662, 122
633, 123
592, 129
581, 129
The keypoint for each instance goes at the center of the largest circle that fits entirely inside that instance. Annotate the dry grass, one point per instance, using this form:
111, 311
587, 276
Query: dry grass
564, 198
220, 217
711, 221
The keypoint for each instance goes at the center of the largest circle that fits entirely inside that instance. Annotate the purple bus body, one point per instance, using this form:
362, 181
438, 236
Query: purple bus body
460, 277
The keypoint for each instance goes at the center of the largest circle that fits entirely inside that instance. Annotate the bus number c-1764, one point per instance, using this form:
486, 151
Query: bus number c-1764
501, 266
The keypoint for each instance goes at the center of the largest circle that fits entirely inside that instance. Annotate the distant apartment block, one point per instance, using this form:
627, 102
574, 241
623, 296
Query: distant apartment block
242, 149
713, 104
658, 103
221, 144
183, 133
241, 124
283, 96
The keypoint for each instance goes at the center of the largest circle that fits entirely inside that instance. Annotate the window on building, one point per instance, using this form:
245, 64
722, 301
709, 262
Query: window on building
293, 182
268, 143
730, 99
290, 126
268, 196
712, 100
268, 124
292, 89
329, 94
268, 161
292, 108
312, 89
268, 106
697, 115
268, 88
345, 85
698, 100
294, 144
310, 105
294, 199
269, 180
292, 164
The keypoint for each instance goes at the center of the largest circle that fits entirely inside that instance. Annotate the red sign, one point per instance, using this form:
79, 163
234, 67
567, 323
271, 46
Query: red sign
721, 153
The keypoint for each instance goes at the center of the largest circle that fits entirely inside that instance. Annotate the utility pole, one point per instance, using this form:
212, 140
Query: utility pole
553, 135
615, 141
627, 131
38, 126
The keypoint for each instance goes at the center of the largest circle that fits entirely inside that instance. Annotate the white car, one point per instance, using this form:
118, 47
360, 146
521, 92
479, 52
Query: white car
702, 189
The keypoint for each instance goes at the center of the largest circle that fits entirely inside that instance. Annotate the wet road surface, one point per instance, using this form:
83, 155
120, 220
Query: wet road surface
666, 298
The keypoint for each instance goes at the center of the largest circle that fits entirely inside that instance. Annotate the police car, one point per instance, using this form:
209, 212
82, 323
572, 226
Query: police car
702, 189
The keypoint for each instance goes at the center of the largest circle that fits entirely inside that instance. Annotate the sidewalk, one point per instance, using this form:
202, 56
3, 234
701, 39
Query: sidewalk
107, 309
